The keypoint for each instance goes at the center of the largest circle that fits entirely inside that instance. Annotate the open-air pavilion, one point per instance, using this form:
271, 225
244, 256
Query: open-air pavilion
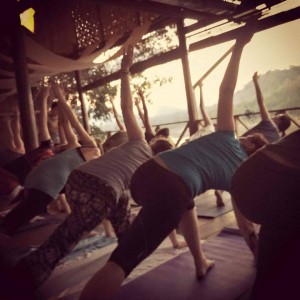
69, 36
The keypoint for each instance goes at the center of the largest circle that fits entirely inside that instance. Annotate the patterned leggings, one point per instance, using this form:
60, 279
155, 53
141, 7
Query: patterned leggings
91, 201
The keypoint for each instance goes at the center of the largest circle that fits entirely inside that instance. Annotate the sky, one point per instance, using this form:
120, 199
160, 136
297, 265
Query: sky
273, 49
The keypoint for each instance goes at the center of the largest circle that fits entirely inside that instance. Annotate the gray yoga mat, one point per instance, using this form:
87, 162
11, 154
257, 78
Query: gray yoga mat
206, 206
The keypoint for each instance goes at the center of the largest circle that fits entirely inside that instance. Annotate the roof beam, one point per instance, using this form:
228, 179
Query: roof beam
174, 54
136, 68
267, 23
159, 8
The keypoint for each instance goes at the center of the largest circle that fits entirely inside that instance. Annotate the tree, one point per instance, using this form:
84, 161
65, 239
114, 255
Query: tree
143, 83
152, 44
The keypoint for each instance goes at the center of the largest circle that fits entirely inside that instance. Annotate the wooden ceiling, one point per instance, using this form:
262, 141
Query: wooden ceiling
70, 31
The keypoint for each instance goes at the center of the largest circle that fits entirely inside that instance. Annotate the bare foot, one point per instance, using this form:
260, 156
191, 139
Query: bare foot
180, 244
205, 267
110, 234
36, 219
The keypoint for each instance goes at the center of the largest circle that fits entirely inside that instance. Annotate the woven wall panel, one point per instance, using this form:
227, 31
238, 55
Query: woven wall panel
68, 27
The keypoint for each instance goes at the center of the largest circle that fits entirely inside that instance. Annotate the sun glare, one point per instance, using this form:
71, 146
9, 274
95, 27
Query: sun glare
106, 55
27, 19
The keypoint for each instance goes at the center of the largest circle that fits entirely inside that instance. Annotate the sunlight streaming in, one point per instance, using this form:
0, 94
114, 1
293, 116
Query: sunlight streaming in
27, 19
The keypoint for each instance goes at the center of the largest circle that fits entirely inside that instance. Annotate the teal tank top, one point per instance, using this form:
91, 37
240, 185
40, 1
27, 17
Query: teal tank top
206, 163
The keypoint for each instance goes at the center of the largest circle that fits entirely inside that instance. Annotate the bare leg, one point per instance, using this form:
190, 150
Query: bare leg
189, 228
107, 280
15, 125
247, 230
42, 118
219, 199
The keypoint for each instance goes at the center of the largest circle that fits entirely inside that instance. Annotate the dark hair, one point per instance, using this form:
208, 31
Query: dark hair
118, 138
284, 123
54, 104
161, 144
259, 141
163, 132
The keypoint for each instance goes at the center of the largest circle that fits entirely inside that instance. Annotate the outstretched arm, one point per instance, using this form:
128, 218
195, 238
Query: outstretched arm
16, 127
7, 133
42, 118
134, 131
10, 127
119, 123
260, 99
206, 118
68, 133
225, 119
147, 125
84, 137
61, 131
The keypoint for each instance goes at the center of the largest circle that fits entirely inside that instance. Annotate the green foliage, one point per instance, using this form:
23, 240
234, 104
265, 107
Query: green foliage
156, 42
143, 83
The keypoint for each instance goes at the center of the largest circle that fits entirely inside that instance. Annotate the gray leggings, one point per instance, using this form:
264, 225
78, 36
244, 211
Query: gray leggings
164, 199
91, 201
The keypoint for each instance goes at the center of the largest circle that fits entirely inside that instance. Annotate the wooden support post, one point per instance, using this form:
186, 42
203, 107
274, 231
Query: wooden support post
182, 134
83, 107
192, 110
25, 100
213, 66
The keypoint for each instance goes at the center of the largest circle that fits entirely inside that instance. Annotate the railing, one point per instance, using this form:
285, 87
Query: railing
179, 130
243, 123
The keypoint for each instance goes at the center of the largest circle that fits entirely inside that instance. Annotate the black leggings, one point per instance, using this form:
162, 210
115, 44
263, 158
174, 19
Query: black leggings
164, 199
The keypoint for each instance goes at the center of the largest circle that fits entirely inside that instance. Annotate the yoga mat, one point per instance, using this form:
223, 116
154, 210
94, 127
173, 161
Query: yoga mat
206, 206
86, 246
232, 275
68, 280
48, 219
83, 249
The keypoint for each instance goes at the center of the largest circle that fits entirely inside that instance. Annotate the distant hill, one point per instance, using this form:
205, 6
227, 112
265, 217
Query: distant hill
281, 89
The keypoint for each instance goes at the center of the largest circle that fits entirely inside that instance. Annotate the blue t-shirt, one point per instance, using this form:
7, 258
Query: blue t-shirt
206, 163
267, 128
51, 175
